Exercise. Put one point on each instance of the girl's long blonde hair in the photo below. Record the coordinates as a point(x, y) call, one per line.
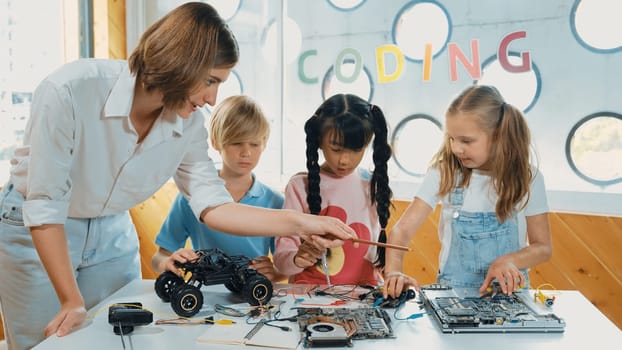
point(509, 154)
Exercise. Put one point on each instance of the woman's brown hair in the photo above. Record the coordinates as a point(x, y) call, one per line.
point(175, 54)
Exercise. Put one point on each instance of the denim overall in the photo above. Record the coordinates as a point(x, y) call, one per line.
point(477, 239)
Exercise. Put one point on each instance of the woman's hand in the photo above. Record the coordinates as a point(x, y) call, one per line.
point(395, 282)
point(51, 244)
point(66, 320)
point(325, 231)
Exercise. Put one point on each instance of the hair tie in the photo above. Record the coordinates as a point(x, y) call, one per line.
point(501, 112)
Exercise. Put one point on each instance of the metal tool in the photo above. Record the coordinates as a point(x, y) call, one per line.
point(255, 329)
point(325, 267)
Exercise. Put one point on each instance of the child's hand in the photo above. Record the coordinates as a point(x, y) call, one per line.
point(510, 278)
point(180, 255)
point(308, 254)
point(264, 266)
point(395, 282)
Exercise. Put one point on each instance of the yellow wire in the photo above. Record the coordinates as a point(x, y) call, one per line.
point(539, 295)
point(545, 285)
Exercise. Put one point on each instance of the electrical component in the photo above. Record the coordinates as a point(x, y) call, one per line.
point(544, 299)
point(337, 327)
point(547, 300)
point(124, 316)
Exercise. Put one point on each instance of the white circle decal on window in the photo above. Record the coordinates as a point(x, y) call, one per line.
point(292, 42)
point(597, 25)
point(415, 141)
point(346, 5)
point(226, 8)
point(357, 83)
point(419, 24)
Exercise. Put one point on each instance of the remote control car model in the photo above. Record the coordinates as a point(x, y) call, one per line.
point(212, 266)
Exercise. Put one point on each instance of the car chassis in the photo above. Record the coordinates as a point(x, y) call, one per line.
point(212, 266)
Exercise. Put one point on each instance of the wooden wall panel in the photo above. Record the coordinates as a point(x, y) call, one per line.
point(599, 234)
point(116, 29)
point(422, 261)
point(148, 217)
point(582, 265)
point(109, 30)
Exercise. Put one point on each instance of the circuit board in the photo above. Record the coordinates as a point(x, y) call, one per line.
point(463, 311)
point(337, 327)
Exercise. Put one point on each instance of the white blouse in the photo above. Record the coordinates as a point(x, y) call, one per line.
point(81, 158)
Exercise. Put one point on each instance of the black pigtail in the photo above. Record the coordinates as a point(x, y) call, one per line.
point(381, 192)
point(314, 199)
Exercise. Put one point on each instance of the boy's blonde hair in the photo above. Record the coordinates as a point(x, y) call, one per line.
point(238, 119)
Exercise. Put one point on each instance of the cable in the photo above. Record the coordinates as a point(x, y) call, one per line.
point(283, 328)
point(547, 300)
point(189, 321)
point(121, 334)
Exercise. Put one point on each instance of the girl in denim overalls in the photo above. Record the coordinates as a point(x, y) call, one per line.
point(493, 224)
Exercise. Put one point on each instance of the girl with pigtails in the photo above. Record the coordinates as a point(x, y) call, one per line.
point(342, 128)
point(493, 224)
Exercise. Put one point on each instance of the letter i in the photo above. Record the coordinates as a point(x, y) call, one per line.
point(427, 62)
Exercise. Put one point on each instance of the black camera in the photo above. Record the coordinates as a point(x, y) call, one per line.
point(124, 316)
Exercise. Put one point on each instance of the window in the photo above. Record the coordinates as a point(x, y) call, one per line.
point(594, 148)
point(27, 57)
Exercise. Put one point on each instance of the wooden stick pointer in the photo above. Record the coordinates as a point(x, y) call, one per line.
point(386, 245)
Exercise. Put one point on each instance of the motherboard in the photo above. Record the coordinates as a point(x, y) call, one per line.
point(462, 311)
point(337, 327)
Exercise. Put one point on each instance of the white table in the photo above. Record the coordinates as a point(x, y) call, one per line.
point(586, 327)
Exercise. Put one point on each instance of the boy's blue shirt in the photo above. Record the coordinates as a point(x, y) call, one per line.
point(181, 224)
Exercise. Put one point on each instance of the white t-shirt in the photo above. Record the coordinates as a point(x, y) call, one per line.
point(479, 196)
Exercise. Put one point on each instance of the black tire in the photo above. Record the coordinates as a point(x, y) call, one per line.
point(187, 300)
point(234, 285)
point(258, 290)
point(165, 284)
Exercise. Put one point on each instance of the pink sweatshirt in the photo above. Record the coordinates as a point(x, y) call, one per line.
point(346, 198)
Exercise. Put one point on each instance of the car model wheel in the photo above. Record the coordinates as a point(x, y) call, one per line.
point(187, 300)
point(234, 285)
point(165, 284)
point(258, 290)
